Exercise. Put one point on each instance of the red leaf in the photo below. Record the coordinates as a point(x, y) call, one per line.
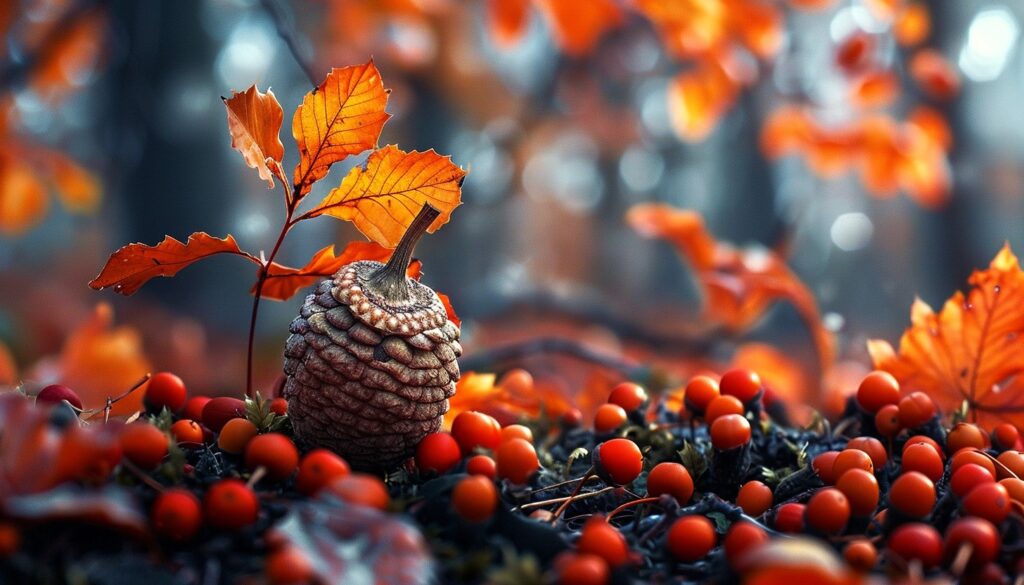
point(284, 281)
point(135, 264)
point(448, 309)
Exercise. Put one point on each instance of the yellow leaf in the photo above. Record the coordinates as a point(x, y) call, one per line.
point(254, 122)
point(384, 197)
point(343, 116)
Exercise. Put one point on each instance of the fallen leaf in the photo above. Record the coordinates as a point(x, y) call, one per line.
point(508, 20)
point(135, 264)
point(343, 116)
point(284, 281)
point(383, 197)
point(688, 28)
point(254, 122)
point(739, 285)
point(68, 61)
point(968, 351)
point(78, 189)
point(698, 98)
point(99, 361)
point(23, 200)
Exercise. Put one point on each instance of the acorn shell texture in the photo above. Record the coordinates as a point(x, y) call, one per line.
point(369, 376)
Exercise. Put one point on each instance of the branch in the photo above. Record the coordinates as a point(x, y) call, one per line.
point(286, 32)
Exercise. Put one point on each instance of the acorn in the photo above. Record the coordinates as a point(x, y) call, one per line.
point(371, 360)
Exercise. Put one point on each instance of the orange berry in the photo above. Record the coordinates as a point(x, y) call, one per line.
point(789, 518)
point(628, 395)
point(609, 417)
point(288, 566)
point(742, 384)
point(517, 432)
point(742, 538)
point(517, 382)
point(187, 433)
point(916, 409)
point(828, 511)
point(582, 569)
point(916, 542)
point(230, 505)
point(475, 498)
point(730, 431)
point(861, 489)
point(1014, 487)
point(887, 420)
point(861, 555)
point(722, 406)
point(235, 435)
point(921, 457)
point(873, 447)
point(165, 390)
point(965, 435)
point(517, 460)
point(318, 469)
point(177, 515)
point(618, 461)
point(274, 452)
point(670, 478)
point(482, 465)
point(598, 537)
point(1013, 461)
point(848, 459)
point(691, 538)
point(876, 390)
point(822, 465)
point(699, 393)
point(918, 439)
point(912, 494)
point(361, 489)
point(968, 477)
point(755, 498)
point(979, 533)
point(473, 429)
point(144, 445)
point(990, 501)
point(438, 453)
point(971, 455)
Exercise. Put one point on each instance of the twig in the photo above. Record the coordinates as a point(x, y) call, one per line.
point(574, 498)
point(287, 35)
point(486, 358)
point(111, 401)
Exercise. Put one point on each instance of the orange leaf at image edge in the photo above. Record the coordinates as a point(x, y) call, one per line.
point(970, 350)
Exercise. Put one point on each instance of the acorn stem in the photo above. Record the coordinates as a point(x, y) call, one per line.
point(390, 280)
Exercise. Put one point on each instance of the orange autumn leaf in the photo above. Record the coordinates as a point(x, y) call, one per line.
point(787, 130)
point(284, 281)
point(508, 20)
point(447, 302)
point(811, 4)
point(969, 350)
point(64, 64)
point(343, 116)
point(384, 196)
point(875, 89)
point(100, 361)
point(578, 26)
point(135, 264)
point(254, 122)
point(934, 74)
point(913, 25)
point(77, 189)
point(8, 369)
point(933, 124)
point(23, 200)
point(739, 286)
point(698, 99)
point(688, 27)
point(760, 27)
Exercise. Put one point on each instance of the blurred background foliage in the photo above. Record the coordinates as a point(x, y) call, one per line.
point(815, 129)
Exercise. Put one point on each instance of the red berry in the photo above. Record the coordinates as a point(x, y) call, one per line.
point(572, 418)
point(582, 569)
point(144, 445)
point(482, 465)
point(437, 453)
point(230, 505)
point(628, 395)
point(873, 447)
point(822, 465)
point(912, 494)
point(887, 420)
point(218, 411)
point(971, 455)
point(318, 469)
point(790, 518)
point(922, 458)
point(517, 432)
point(861, 555)
point(618, 461)
point(361, 489)
point(968, 477)
point(609, 417)
point(754, 498)
point(730, 431)
point(1013, 461)
point(691, 538)
point(848, 459)
point(916, 409)
point(57, 393)
point(475, 498)
point(979, 533)
point(916, 541)
point(165, 390)
point(10, 539)
point(517, 460)
point(722, 406)
point(876, 390)
point(473, 429)
point(176, 515)
point(990, 501)
point(193, 409)
point(699, 393)
point(861, 489)
point(600, 538)
point(828, 511)
point(1005, 436)
point(741, 383)
point(235, 435)
point(672, 479)
point(187, 433)
point(279, 406)
point(288, 566)
point(1014, 487)
point(274, 452)
point(742, 538)
point(919, 439)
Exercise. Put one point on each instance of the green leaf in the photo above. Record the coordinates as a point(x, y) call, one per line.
point(693, 460)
